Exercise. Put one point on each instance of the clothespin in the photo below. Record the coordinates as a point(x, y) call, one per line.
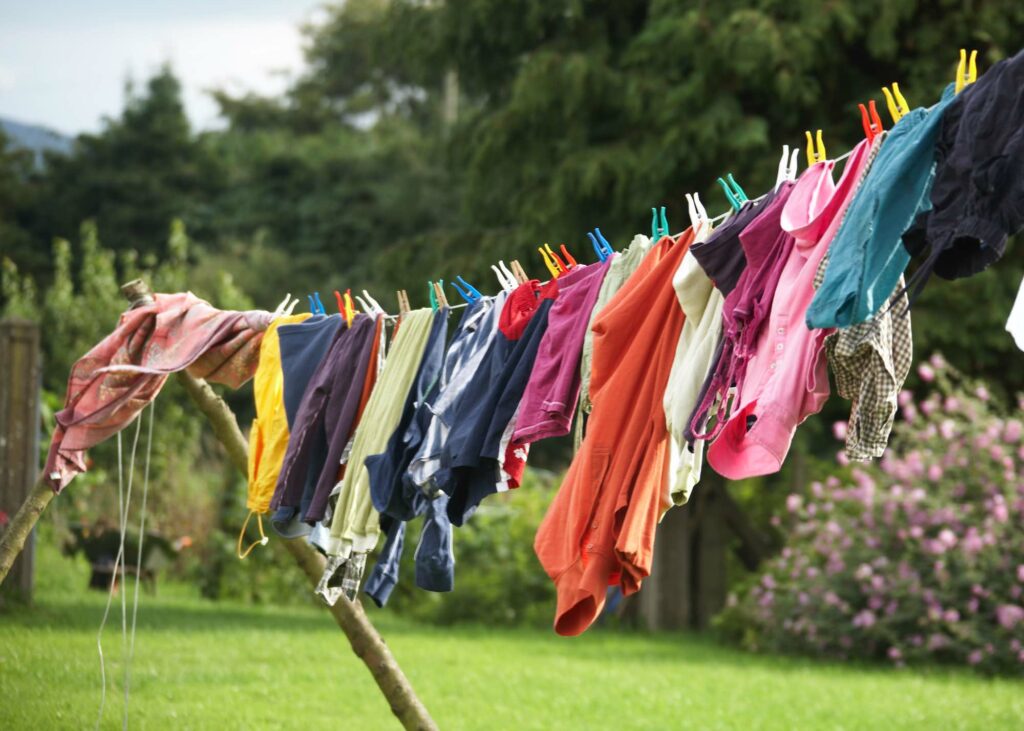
point(570, 261)
point(729, 195)
point(870, 121)
point(691, 209)
point(469, 293)
point(659, 228)
point(439, 294)
point(894, 100)
point(282, 305)
point(403, 302)
point(601, 246)
point(520, 273)
point(562, 266)
point(787, 166)
point(340, 301)
point(319, 304)
point(966, 73)
point(552, 267)
point(815, 155)
point(350, 307)
point(374, 305)
point(433, 295)
point(312, 304)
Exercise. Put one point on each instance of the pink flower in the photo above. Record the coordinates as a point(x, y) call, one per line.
point(1013, 431)
point(841, 459)
point(935, 473)
point(951, 616)
point(952, 403)
point(947, 537)
point(793, 502)
point(864, 618)
point(1020, 573)
point(937, 361)
point(1000, 512)
point(926, 372)
point(972, 542)
point(982, 393)
point(947, 429)
point(907, 397)
point(972, 605)
point(863, 572)
point(839, 430)
point(894, 654)
point(1008, 615)
point(974, 657)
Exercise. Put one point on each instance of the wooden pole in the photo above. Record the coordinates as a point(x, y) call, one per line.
point(19, 455)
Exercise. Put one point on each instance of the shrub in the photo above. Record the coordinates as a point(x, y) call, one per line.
point(917, 558)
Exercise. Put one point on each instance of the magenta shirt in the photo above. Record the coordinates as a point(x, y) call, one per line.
point(787, 379)
point(549, 400)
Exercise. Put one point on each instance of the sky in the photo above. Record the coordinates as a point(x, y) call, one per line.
point(64, 63)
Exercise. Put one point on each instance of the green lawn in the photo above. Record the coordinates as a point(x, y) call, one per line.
point(229, 666)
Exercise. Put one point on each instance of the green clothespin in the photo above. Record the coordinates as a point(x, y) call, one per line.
point(433, 297)
point(659, 229)
point(740, 194)
point(729, 195)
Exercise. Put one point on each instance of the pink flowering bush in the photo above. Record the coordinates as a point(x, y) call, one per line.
point(919, 557)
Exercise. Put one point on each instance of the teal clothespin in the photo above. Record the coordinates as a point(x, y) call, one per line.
point(659, 228)
point(740, 194)
point(730, 196)
point(433, 297)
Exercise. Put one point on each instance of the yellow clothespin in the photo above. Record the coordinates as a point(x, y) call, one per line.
point(966, 73)
point(894, 100)
point(813, 155)
point(552, 267)
point(350, 307)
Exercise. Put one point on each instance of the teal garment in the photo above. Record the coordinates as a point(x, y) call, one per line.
point(867, 256)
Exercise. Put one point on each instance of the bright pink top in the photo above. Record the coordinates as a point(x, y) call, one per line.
point(786, 379)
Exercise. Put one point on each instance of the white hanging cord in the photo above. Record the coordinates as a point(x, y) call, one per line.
point(124, 498)
point(138, 565)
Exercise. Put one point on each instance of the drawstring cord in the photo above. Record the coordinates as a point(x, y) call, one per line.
point(241, 535)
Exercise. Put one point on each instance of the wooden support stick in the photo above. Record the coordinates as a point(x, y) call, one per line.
point(17, 532)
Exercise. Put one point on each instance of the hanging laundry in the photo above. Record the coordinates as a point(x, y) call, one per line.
point(478, 455)
point(599, 529)
point(355, 526)
point(1015, 322)
point(702, 305)
point(303, 348)
point(868, 257)
point(766, 249)
point(871, 361)
point(978, 189)
point(786, 379)
point(325, 421)
point(551, 394)
point(113, 382)
point(268, 436)
point(398, 500)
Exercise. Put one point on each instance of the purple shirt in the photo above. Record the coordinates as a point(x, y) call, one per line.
point(549, 400)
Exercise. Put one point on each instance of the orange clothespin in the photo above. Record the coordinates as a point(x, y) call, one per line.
point(815, 155)
point(966, 72)
point(870, 121)
point(340, 301)
point(518, 271)
point(569, 260)
point(895, 102)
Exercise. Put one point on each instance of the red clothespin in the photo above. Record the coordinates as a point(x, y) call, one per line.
point(871, 122)
point(341, 304)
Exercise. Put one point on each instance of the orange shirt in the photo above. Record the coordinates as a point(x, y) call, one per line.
point(599, 530)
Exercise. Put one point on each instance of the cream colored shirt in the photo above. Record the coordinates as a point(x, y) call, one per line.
point(702, 304)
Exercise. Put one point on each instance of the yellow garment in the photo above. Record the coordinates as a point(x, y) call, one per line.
point(268, 438)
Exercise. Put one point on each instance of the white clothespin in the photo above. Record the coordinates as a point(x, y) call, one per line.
point(701, 212)
point(280, 309)
point(691, 208)
point(793, 162)
point(505, 276)
point(783, 174)
point(291, 308)
point(374, 304)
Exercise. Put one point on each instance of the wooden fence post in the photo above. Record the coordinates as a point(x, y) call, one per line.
point(19, 446)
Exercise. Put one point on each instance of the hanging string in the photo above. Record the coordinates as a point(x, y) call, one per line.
point(124, 497)
point(138, 565)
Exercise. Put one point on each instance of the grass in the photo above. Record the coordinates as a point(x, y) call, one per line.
point(203, 665)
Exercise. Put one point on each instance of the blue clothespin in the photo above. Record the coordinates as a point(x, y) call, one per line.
point(471, 293)
point(601, 246)
point(320, 305)
point(312, 304)
point(730, 196)
point(598, 249)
